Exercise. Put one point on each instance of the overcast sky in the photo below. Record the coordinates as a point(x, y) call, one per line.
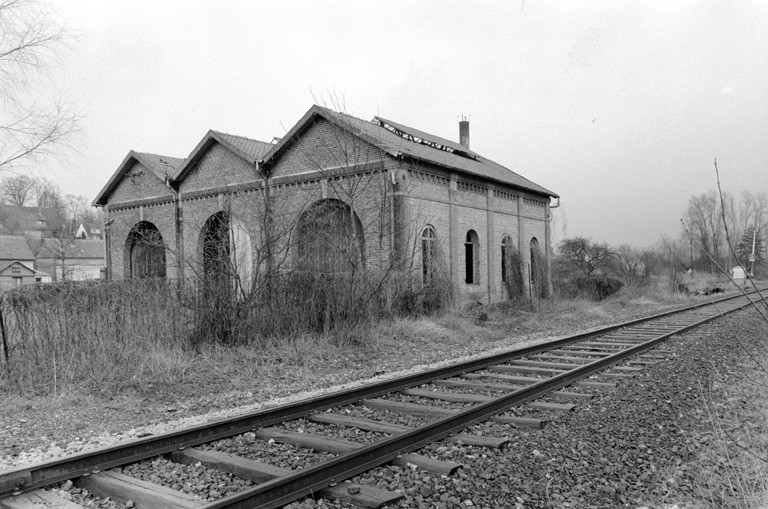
point(619, 107)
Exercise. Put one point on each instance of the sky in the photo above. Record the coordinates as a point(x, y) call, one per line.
point(618, 107)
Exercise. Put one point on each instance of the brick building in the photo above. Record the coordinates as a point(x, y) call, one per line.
point(335, 193)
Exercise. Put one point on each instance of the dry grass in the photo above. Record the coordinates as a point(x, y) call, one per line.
point(66, 353)
point(732, 467)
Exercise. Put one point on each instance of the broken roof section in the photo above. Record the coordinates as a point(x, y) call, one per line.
point(401, 141)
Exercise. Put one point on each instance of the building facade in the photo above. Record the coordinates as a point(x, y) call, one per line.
point(335, 193)
point(17, 264)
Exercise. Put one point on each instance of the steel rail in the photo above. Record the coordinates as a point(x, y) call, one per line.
point(38, 475)
point(284, 490)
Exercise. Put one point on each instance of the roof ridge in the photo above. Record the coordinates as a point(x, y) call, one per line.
point(241, 137)
point(157, 155)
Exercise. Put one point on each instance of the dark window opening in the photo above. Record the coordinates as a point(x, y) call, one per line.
point(471, 259)
point(216, 250)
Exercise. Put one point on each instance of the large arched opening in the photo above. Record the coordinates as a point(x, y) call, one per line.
point(329, 238)
point(144, 252)
point(226, 254)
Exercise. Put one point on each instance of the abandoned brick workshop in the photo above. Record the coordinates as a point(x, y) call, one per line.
point(335, 194)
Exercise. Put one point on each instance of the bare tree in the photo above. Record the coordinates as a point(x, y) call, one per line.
point(705, 226)
point(16, 190)
point(582, 255)
point(31, 40)
point(671, 254)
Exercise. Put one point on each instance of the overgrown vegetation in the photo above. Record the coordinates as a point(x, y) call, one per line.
point(135, 338)
point(68, 335)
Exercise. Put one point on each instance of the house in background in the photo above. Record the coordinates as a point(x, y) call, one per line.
point(71, 259)
point(32, 222)
point(17, 264)
point(89, 231)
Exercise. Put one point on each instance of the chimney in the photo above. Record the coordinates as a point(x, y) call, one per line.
point(464, 132)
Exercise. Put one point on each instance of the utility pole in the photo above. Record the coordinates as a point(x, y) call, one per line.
point(752, 255)
point(690, 266)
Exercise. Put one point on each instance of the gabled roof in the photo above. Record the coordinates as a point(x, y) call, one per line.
point(162, 167)
point(246, 148)
point(400, 141)
point(4, 264)
point(26, 218)
point(14, 247)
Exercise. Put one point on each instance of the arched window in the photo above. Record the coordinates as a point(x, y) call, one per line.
point(227, 253)
point(506, 254)
point(472, 258)
point(145, 251)
point(428, 254)
point(330, 238)
point(534, 259)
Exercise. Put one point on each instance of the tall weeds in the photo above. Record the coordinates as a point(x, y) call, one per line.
point(96, 335)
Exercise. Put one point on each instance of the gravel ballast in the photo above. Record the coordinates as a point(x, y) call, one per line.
point(633, 446)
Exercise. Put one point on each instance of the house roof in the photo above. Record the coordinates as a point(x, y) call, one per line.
point(75, 248)
point(25, 218)
point(248, 149)
point(14, 247)
point(401, 141)
point(90, 227)
point(4, 264)
point(161, 167)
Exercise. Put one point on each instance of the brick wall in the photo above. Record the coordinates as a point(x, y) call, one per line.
point(218, 167)
point(453, 206)
point(391, 198)
point(324, 146)
point(139, 183)
point(123, 219)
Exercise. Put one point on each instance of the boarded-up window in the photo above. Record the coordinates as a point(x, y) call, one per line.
point(506, 252)
point(535, 255)
point(145, 251)
point(329, 238)
point(428, 254)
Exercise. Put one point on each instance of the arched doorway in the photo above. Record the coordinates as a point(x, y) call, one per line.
point(144, 252)
point(226, 254)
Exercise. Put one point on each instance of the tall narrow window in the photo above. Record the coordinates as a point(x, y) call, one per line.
point(428, 254)
point(506, 252)
point(534, 259)
point(471, 258)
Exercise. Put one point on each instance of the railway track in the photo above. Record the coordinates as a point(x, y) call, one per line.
point(426, 407)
